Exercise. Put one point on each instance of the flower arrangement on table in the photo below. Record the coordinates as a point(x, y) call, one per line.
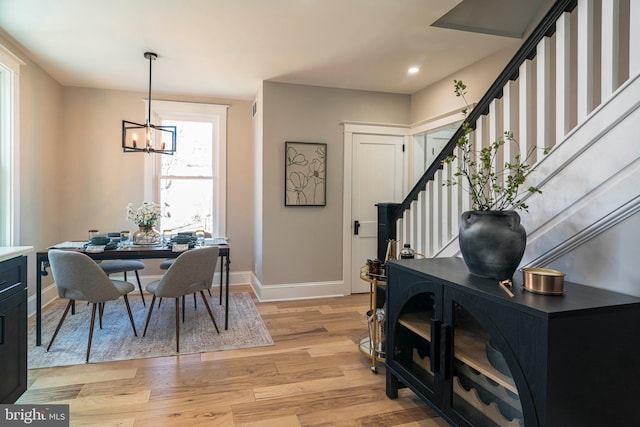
point(145, 217)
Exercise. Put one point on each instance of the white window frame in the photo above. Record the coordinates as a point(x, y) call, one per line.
point(214, 113)
point(9, 147)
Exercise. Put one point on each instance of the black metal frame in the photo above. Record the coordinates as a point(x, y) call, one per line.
point(131, 126)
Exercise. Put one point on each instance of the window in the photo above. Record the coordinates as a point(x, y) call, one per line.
point(9, 153)
point(191, 184)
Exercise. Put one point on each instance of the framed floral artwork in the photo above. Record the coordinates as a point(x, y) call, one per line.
point(305, 174)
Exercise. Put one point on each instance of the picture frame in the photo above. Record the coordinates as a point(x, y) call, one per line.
point(305, 174)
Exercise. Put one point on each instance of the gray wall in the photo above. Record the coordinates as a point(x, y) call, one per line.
point(439, 98)
point(74, 175)
point(40, 157)
point(100, 180)
point(304, 244)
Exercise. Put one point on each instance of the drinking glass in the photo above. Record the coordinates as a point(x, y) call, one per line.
point(166, 236)
point(92, 233)
point(200, 237)
point(124, 239)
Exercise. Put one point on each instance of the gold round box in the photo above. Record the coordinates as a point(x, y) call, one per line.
point(543, 281)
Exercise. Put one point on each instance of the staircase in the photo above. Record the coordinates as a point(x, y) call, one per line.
point(574, 86)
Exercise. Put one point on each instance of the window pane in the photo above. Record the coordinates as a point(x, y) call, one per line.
point(188, 202)
point(193, 156)
point(192, 181)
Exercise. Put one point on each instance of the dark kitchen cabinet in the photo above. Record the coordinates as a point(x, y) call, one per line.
point(13, 328)
point(481, 358)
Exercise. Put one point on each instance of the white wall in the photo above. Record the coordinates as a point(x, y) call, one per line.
point(585, 221)
point(608, 261)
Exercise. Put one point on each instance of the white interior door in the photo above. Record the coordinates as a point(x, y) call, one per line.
point(377, 171)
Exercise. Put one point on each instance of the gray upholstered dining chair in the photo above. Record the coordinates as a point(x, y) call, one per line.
point(79, 278)
point(191, 272)
point(164, 265)
point(123, 266)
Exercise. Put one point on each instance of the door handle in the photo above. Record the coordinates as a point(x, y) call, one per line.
point(356, 227)
point(445, 350)
point(434, 349)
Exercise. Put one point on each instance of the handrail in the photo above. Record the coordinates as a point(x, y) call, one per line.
point(545, 28)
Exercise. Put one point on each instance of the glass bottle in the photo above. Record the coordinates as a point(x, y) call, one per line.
point(406, 252)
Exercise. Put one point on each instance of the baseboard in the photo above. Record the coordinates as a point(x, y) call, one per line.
point(50, 293)
point(296, 291)
point(284, 292)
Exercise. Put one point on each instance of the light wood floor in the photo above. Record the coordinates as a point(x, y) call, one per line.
point(314, 375)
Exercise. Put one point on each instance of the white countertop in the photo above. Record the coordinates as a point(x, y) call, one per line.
point(8, 252)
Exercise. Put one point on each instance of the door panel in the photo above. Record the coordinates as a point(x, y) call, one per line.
point(377, 177)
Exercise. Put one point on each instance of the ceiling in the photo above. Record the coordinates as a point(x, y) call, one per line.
point(226, 48)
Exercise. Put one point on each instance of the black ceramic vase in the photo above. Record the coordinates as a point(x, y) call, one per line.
point(492, 243)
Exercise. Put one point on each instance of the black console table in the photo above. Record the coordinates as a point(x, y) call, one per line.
point(482, 358)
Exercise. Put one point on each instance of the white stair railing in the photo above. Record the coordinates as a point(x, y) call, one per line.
point(552, 90)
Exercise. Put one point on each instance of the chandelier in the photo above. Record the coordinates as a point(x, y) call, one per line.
point(148, 138)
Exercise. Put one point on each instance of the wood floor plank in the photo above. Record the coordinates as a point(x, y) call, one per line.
point(82, 378)
point(180, 410)
point(326, 362)
point(91, 422)
point(52, 394)
point(430, 422)
point(241, 383)
point(184, 378)
point(350, 379)
point(100, 402)
point(313, 375)
point(394, 418)
point(345, 345)
point(288, 421)
point(217, 416)
point(354, 413)
point(337, 398)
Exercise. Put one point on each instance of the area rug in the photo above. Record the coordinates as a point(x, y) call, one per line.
point(115, 341)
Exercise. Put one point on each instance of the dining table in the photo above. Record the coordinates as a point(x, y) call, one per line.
point(129, 252)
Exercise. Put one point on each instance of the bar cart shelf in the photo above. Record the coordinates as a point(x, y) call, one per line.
point(372, 344)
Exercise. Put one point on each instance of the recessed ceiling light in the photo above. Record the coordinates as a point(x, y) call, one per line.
point(414, 70)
